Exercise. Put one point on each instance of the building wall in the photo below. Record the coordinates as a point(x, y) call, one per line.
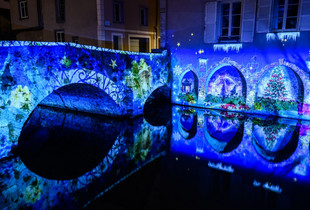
point(90, 21)
point(4, 4)
point(75, 24)
point(80, 20)
point(31, 22)
point(131, 26)
point(5, 20)
point(198, 56)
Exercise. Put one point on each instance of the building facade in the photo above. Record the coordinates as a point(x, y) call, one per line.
point(241, 55)
point(122, 25)
point(5, 20)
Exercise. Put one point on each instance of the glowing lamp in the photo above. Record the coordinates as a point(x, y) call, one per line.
point(186, 86)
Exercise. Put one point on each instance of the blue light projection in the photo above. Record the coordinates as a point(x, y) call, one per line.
point(66, 159)
point(30, 71)
point(268, 76)
point(232, 141)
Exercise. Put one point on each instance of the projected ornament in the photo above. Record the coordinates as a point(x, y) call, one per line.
point(186, 86)
point(275, 87)
point(113, 63)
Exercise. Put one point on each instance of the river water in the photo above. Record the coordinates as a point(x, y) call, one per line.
point(171, 158)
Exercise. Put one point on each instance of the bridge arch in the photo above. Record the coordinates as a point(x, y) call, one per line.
point(226, 80)
point(31, 71)
point(282, 83)
point(82, 97)
point(188, 87)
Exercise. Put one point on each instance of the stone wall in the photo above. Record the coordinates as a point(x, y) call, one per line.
point(78, 77)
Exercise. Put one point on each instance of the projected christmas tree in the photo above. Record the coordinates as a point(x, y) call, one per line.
point(275, 87)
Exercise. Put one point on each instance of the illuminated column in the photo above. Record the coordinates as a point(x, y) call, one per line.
point(163, 23)
point(100, 23)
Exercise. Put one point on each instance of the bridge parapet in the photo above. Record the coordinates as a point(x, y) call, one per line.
point(30, 71)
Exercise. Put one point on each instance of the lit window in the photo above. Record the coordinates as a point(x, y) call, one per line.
point(118, 12)
point(285, 15)
point(60, 36)
point(230, 21)
point(139, 44)
point(23, 9)
point(60, 11)
point(143, 16)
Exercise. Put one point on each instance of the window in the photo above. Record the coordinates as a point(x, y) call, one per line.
point(230, 21)
point(60, 11)
point(143, 16)
point(139, 44)
point(23, 9)
point(285, 15)
point(75, 39)
point(118, 12)
point(60, 36)
point(117, 42)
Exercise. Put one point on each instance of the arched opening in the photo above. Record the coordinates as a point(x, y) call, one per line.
point(82, 97)
point(226, 85)
point(188, 92)
point(279, 89)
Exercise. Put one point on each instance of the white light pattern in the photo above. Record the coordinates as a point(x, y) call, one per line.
point(282, 36)
point(227, 47)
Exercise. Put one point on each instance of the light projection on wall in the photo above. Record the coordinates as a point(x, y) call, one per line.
point(279, 89)
point(140, 79)
point(31, 71)
point(227, 86)
point(250, 85)
point(189, 88)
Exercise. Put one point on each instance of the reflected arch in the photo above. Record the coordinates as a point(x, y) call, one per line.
point(224, 135)
point(64, 145)
point(273, 141)
point(187, 124)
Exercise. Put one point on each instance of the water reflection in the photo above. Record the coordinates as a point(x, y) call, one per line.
point(66, 159)
point(224, 130)
point(187, 123)
point(275, 141)
point(63, 145)
point(230, 140)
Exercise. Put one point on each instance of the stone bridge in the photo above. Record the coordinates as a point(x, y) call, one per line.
point(73, 76)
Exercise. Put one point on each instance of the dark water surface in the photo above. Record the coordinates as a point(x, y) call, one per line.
point(172, 158)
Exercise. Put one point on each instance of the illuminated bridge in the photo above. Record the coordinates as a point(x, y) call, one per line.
point(75, 77)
